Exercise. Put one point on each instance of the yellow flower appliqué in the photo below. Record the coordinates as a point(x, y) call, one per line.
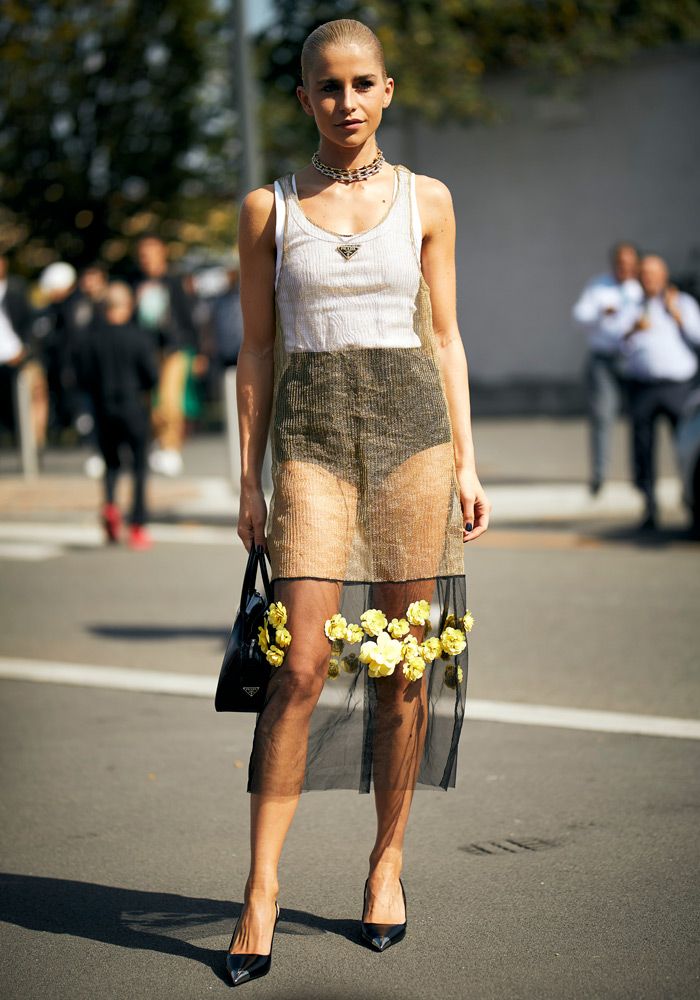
point(381, 656)
point(453, 641)
point(397, 627)
point(409, 647)
point(351, 663)
point(373, 621)
point(335, 627)
point(468, 621)
point(274, 656)
point(452, 679)
point(277, 614)
point(263, 638)
point(413, 668)
point(430, 649)
point(282, 638)
point(354, 633)
point(417, 612)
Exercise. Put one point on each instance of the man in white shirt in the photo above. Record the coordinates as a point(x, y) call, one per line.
point(660, 338)
point(596, 311)
point(15, 353)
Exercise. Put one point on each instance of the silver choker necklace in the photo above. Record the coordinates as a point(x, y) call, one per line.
point(349, 174)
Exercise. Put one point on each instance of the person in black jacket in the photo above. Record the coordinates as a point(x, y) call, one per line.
point(118, 370)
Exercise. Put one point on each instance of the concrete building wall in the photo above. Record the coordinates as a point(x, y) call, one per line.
point(540, 197)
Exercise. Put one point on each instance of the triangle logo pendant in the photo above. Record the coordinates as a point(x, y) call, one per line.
point(347, 250)
point(251, 691)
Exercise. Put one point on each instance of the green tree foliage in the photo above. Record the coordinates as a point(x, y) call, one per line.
point(102, 123)
point(440, 51)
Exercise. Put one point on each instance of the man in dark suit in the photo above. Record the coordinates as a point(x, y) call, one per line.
point(118, 370)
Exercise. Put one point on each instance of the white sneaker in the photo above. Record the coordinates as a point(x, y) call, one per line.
point(166, 461)
point(94, 467)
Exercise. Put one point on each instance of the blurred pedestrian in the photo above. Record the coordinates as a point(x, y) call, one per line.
point(163, 308)
point(221, 287)
point(661, 337)
point(596, 310)
point(57, 332)
point(93, 284)
point(119, 370)
point(17, 354)
point(72, 303)
point(89, 298)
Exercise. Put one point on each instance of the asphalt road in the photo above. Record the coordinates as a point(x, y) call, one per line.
point(564, 864)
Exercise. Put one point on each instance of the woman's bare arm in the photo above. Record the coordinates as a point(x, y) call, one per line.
point(254, 374)
point(438, 264)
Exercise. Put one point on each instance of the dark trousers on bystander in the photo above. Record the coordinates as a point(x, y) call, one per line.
point(128, 430)
point(648, 401)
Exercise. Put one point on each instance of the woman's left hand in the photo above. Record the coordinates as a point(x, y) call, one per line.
point(475, 505)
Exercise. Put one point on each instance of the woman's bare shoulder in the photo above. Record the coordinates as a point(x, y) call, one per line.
point(433, 192)
point(257, 213)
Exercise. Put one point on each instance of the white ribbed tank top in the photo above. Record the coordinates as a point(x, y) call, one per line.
point(326, 302)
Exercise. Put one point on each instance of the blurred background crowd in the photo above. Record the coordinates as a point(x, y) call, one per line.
point(130, 132)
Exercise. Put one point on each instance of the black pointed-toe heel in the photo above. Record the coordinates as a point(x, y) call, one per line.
point(381, 936)
point(244, 968)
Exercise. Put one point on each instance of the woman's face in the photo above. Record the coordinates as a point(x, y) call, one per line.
point(346, 94)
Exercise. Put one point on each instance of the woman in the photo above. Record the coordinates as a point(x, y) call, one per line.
point(352, 352)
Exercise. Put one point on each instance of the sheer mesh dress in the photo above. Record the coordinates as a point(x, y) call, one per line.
point(364, 516)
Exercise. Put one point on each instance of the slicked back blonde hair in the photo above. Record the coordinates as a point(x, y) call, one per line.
point(344, 31)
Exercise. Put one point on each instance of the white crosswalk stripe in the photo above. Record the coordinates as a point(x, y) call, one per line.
point(195, 686)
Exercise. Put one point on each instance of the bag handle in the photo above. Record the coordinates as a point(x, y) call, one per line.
point(262, 560)
point(256, 557)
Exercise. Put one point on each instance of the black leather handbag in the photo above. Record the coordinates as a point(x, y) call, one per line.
point(245, 670)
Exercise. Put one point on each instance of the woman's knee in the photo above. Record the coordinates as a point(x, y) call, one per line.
point(302, 681)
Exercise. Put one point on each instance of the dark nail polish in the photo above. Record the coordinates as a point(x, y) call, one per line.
point(469, 526)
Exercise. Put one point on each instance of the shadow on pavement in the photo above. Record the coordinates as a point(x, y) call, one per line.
point(159, 632)
point(141, 919)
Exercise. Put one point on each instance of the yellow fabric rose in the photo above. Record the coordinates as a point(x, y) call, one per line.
point(277, 614)
point(333, 667)
point(282, 638)
point(413, 668)
point(430, 648)
point(335, 627)
point(397, 627)
point(351, 663)
point(468, 621)
point(354, 633)
point(417, 612)
point(453, 641)
point(274, 656)
point(409, 647)
point(450, 681)
point(373, 621)
point(381, 656)
point(263, 638)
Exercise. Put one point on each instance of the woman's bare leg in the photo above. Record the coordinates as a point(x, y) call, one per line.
point(397, 753)
point(413, 550)
point(280, 744)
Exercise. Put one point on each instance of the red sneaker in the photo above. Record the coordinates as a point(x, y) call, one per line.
point(139, 539)
point(112, 522)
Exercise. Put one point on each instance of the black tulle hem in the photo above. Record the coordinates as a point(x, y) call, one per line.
point(385, 732)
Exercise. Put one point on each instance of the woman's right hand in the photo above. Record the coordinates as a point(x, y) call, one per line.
point(252, 517)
